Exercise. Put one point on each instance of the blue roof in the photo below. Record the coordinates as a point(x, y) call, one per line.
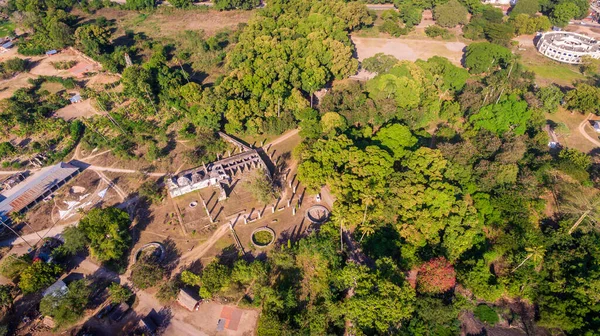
point(51, 52)
point(38, 184)
point(7, 45)
point(75, 98)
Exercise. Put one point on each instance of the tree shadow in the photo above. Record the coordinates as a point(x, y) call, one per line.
point(228, 255)
point(171, 256)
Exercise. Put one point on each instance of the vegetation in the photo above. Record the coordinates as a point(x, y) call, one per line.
point(13, 266)
point(68, 307)
point(261, 186)
point(38, 276)
point(486, 314)
point(262, 238)
point(119, 294)
point(146, 273)
point(108, 233)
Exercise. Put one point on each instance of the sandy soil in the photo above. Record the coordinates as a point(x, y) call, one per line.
point(9, 86)
point(411, 50)
point(83, 109)
point(168, 21)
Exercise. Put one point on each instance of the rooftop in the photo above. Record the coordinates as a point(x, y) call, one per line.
point(32, 188)
point(571, 41)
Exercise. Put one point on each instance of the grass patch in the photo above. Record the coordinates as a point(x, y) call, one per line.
point(262, 238)
point(486, 314)
point(556, 72)
point(6, 28)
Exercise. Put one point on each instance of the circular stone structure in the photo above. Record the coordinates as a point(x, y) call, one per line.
point(159, 251)
point(264, 230)
point(193, 204)
point(567, 47)
point(317, 214)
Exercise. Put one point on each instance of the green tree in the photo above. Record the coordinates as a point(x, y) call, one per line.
point(146, 273)
point(108, 233)
point(13, 266)
point(527, 7)
point(75, 240)
point(550, 96)
point(484, 56)
point(261, 186)
point(152, 191)
point(380, 63)
point(584, 98)
point(486, 314)
point(190, 278)
point(450, 14)
point(215, 277)
point(332, 121)
point(563, 13)
point(510, 114)
point(6, 297)
point(37, 276)
point(92, 39)
point(181, 3)
point(118, 294)
point(6, 149)
point(67, 308)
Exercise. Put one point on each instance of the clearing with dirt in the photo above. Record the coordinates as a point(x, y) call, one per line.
point(409, 50)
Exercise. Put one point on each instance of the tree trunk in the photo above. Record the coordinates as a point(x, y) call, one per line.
point(522, 262)
point(583, 216)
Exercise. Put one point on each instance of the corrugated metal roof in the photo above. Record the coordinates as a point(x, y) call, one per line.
point(35, 186)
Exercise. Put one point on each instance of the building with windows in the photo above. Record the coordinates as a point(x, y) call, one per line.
point(567, 47)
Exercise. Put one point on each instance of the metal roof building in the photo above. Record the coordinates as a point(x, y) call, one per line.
point(35, 188)
point(186, 300)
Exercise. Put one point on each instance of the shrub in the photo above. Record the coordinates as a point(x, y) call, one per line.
point(146, 273)
point(119, 294)
point(435, 31)
point(486, 314)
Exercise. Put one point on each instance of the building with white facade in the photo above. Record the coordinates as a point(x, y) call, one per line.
point(214, 173)
point(567, 47)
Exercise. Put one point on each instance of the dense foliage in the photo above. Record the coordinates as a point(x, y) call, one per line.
point(108, 233)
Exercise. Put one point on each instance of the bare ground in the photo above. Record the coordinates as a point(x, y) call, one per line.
point(410, 50)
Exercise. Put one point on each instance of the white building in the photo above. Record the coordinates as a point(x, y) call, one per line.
point(567, 47)
point(214, 173)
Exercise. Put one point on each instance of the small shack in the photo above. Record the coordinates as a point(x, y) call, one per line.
point(51, 52)
point(187, 301)
point(5, 46)
point(56, 289)
point(75, 99)
point(597, 126)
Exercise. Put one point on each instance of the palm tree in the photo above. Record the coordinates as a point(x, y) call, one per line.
point(389, 85)
point(19, 218)
point(536, 254)
point(580, 202)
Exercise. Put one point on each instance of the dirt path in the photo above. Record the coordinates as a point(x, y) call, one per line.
point(282, 138)
point(34, 238)
point(584, 133)
point(200, 250)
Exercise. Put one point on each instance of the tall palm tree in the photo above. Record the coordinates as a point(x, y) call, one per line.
point(19, 218)
point(536, 254)
point(581, 202)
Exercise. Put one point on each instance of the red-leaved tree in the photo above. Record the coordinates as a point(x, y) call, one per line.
point(436, 276)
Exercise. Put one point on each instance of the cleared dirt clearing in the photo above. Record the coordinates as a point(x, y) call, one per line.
point(409, 50)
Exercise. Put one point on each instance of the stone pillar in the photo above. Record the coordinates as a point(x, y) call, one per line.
point(294, 189)
point(273, 209)
point(289, 202)
point(294, 211)
point(245, 219)
point(259, 214)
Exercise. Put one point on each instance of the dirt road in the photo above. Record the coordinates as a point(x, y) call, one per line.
point(282, 138)
point(585, 134)
point(199, 251)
